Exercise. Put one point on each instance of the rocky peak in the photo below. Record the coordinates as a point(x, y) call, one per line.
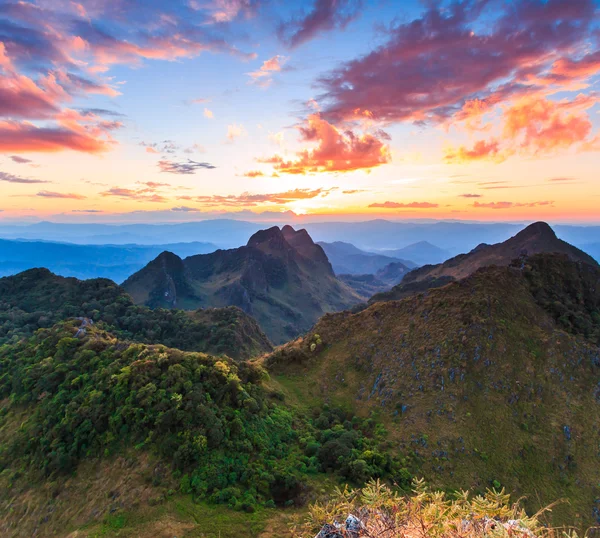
point(537, 230)
point(269, 239)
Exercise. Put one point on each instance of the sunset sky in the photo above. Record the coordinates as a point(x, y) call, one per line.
point(148, 110)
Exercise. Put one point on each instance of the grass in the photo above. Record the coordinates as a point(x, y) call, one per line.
point(180, 516)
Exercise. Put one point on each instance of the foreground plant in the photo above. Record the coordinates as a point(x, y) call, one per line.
point(379, 511)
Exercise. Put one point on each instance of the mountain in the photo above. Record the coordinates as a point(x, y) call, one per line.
point(281, 277)
point(346, 259)
point(593, 249)
point(536, 238)
point(87, 261)
point(489, 381)
point(374, 235)
point(38, 299)
point(385, 278)
point(421, 253)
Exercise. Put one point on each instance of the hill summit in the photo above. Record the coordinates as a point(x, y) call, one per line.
point(281, 277)
point(537, 238)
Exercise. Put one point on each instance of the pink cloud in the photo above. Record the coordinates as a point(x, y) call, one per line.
point(430, 67)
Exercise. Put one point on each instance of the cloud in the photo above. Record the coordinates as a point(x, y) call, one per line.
point(411, 205)
point(482, 150)
point(20, 160)
point(534, 126)
point(87, 211)
point(471, 195)
point(208, 114)
point(74, 131)
point(336, 150)
point(235, 131)
point(141, 195)
point(11, 178)
point(184, 168)
point(184, 209)
point(52, 53)
point(354, 191)
point(166, 147)
point(326, 15)
point(228, 10)
point(510, 205)
point(200, 100)
point(247, 199)
point(62, 195)
point(465, 51)
point(264, 75)
point(562, 179)
point(253, 173)
point(195, 148)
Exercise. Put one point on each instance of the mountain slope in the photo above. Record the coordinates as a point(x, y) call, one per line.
point(346, 259)
point(37, 299)
point(281, 278)
point(536, 238)
point(368, 285)
point(488, 380)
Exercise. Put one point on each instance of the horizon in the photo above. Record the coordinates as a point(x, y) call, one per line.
point(144, 112)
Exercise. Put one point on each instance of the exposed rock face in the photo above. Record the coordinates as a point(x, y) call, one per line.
point(281, 277)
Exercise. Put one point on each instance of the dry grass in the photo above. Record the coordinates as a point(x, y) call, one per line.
point(384, 513)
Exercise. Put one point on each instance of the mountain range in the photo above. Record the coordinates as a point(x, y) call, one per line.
point(536, 238)
point(421, 253)
point(281, 277)
point(346, 259)
point(373, 235)
point(128, 410)
point(87, 261)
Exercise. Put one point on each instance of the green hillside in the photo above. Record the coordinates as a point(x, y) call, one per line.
point(492, 380)
point(38, 299)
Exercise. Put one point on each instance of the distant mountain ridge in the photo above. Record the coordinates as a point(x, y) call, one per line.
point(346, 259)
point(535, 239)
point(116, 262)
point(421, 253)
point(281, 277)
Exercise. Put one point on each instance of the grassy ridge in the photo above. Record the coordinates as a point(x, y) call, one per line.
point(477, 381)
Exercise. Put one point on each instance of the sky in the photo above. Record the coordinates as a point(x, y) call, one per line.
point(154, 111)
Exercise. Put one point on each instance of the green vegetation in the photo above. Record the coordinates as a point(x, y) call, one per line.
point(38, 299)
point(226, 438)
point(569, 292)
point(475, 382)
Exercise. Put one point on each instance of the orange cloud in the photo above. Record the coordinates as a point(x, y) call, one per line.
point(336, 151)
point(482, 150)
point(253, 173)
point(542, 125)
point(263, 75)
point(410, 205)
point(26, 137)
